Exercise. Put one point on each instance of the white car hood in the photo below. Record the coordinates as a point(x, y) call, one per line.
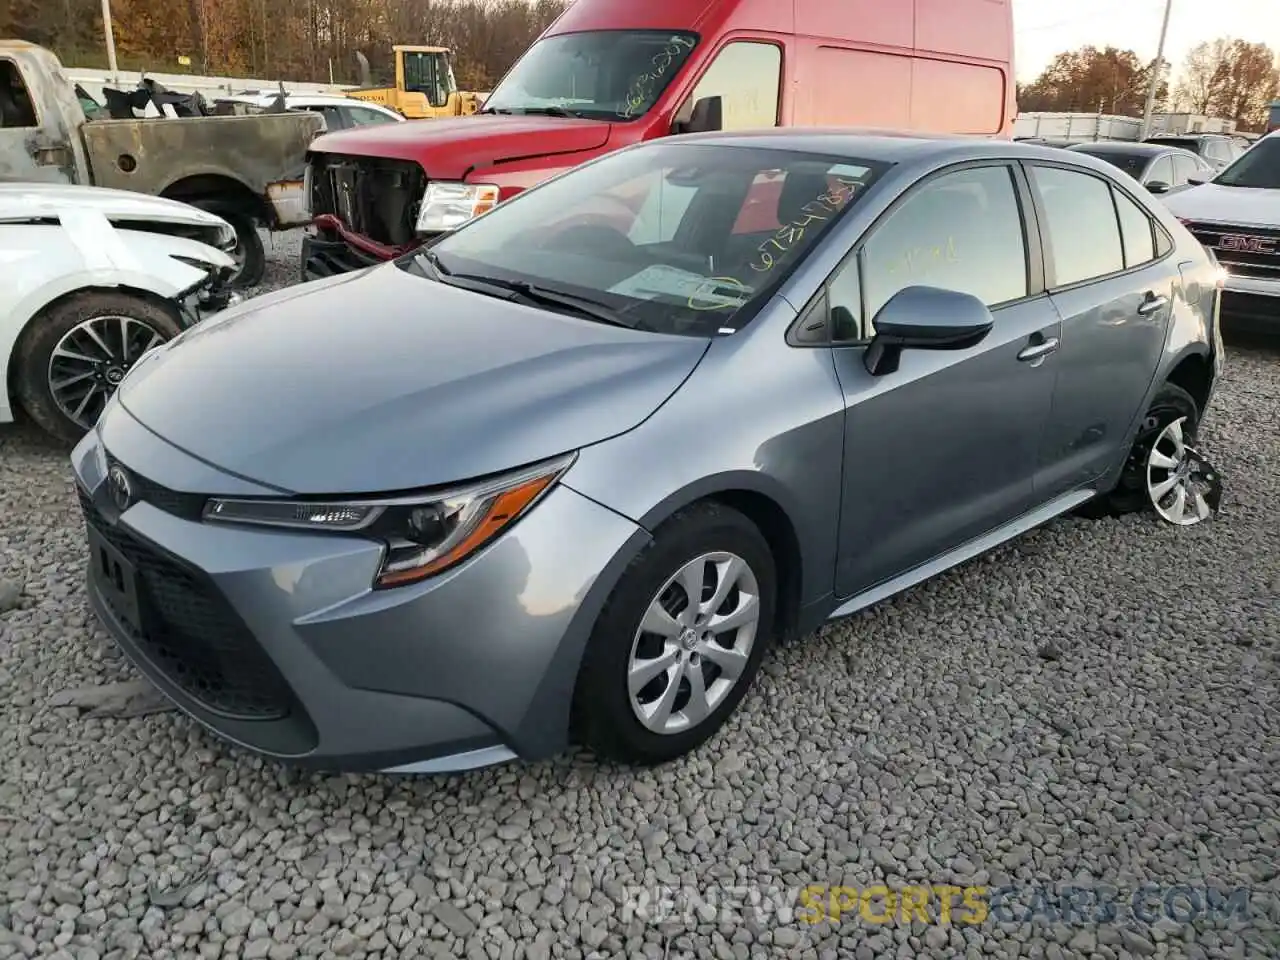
point(1236, 206)
point(21, 202)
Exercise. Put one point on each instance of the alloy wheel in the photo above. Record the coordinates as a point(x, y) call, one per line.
point(1183, 488)
point(693, 643)
point(90, 361)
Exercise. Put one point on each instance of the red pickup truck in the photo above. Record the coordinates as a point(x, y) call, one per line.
point(610, 73)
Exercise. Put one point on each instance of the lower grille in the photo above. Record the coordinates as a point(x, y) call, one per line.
point(191, 634)
point(375, 197)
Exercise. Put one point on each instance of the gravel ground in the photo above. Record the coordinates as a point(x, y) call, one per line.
point(1093, 703)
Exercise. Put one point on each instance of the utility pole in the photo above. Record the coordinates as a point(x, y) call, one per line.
point(111, 39)
point(1156, 72)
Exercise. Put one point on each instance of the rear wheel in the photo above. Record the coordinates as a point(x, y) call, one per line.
point(1160, 471)
point(249, 254)
point(70, 359)
point(680, 641)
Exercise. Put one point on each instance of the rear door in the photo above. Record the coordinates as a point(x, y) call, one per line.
point(1111, 274)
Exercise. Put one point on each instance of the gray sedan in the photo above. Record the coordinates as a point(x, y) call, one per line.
point(565, 475)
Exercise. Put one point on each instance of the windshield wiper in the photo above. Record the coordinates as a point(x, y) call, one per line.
point(583, 306)
point(551, 112)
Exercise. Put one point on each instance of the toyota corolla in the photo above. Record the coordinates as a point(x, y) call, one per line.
point(565, 475)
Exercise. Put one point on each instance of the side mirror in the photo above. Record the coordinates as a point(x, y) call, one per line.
point(1158, 186)
point(1197, 181)
point(925, 318)
point(707, 116)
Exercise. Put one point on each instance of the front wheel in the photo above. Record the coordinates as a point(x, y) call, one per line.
point(680, 641)
point(70, 359)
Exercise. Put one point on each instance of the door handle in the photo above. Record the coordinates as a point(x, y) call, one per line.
point(1038, 351)
point(1152, 304)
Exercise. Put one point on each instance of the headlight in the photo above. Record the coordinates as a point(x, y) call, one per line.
point(424, 535)
point(449, 205)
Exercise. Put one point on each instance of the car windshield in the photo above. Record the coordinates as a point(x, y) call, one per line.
point(1130, 163)
point(673, 238)
point(1259, 167)
point(602, 74)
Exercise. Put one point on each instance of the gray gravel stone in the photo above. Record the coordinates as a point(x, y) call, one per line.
point(924, 740)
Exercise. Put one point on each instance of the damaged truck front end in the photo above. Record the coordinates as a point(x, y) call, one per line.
point(365, 211)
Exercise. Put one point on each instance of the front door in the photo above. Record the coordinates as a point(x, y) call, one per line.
point(944, 449)
point(1112, 278)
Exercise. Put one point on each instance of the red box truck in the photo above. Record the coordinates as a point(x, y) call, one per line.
point(610, 73)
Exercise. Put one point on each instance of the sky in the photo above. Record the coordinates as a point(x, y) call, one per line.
point(1045, 28)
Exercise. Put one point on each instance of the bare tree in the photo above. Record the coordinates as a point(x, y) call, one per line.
point(1230, 78)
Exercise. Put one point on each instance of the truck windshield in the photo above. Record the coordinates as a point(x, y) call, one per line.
point(675, 238)
point(1258, 167)
point(601, 74)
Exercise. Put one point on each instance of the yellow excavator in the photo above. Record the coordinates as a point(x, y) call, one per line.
point(425, 86)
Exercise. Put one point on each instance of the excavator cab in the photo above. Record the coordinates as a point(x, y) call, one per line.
point(425, 85)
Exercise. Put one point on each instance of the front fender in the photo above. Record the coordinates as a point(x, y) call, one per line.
point(45, 262)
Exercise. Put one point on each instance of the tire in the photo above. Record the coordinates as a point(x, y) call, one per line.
point(250, 255)
point(148, 325)
point(604, 718)
point(1129, 495)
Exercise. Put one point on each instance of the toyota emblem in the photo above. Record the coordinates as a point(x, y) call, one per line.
point(120, 488)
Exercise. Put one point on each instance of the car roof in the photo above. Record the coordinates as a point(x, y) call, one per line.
point(1131, 148)
point(883, 146)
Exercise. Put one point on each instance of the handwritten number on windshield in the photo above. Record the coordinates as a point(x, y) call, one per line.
point(641, 89)
point(820, 209)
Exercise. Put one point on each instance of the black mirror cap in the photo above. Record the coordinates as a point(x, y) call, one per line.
point(707, 117)
point(1197, 181)
point(1158, 186)
point(926, 318)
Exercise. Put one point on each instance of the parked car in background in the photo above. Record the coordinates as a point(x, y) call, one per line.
point(608, 73)
point(1237, 216)
point(247, 170)
point(576, 468)
point(93, 278)
point(1158, 168)
point(339, 113)
point(1218, 150)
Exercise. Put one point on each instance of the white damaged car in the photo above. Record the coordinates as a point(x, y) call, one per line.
point(94, 278)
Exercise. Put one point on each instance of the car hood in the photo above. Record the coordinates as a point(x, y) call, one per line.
point(23, 202)
point(383, 381)
point(1237, 206)
point(451, 148)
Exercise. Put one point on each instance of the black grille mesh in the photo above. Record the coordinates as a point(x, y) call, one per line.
point(192, 635)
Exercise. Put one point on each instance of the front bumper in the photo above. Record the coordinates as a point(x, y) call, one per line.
point(1251, 304)
point(275, 641)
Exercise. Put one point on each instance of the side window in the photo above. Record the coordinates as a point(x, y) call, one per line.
point(333, 117)
point(16, 108)
point(1161, 171)
point(748, 77)
point(1183, 169)
point(844, 298)
point(1080, 219)
point(962, 231)
point(363, 116)
point(1136, 232)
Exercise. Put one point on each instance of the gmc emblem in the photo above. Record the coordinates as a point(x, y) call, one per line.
point(1244, 244)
